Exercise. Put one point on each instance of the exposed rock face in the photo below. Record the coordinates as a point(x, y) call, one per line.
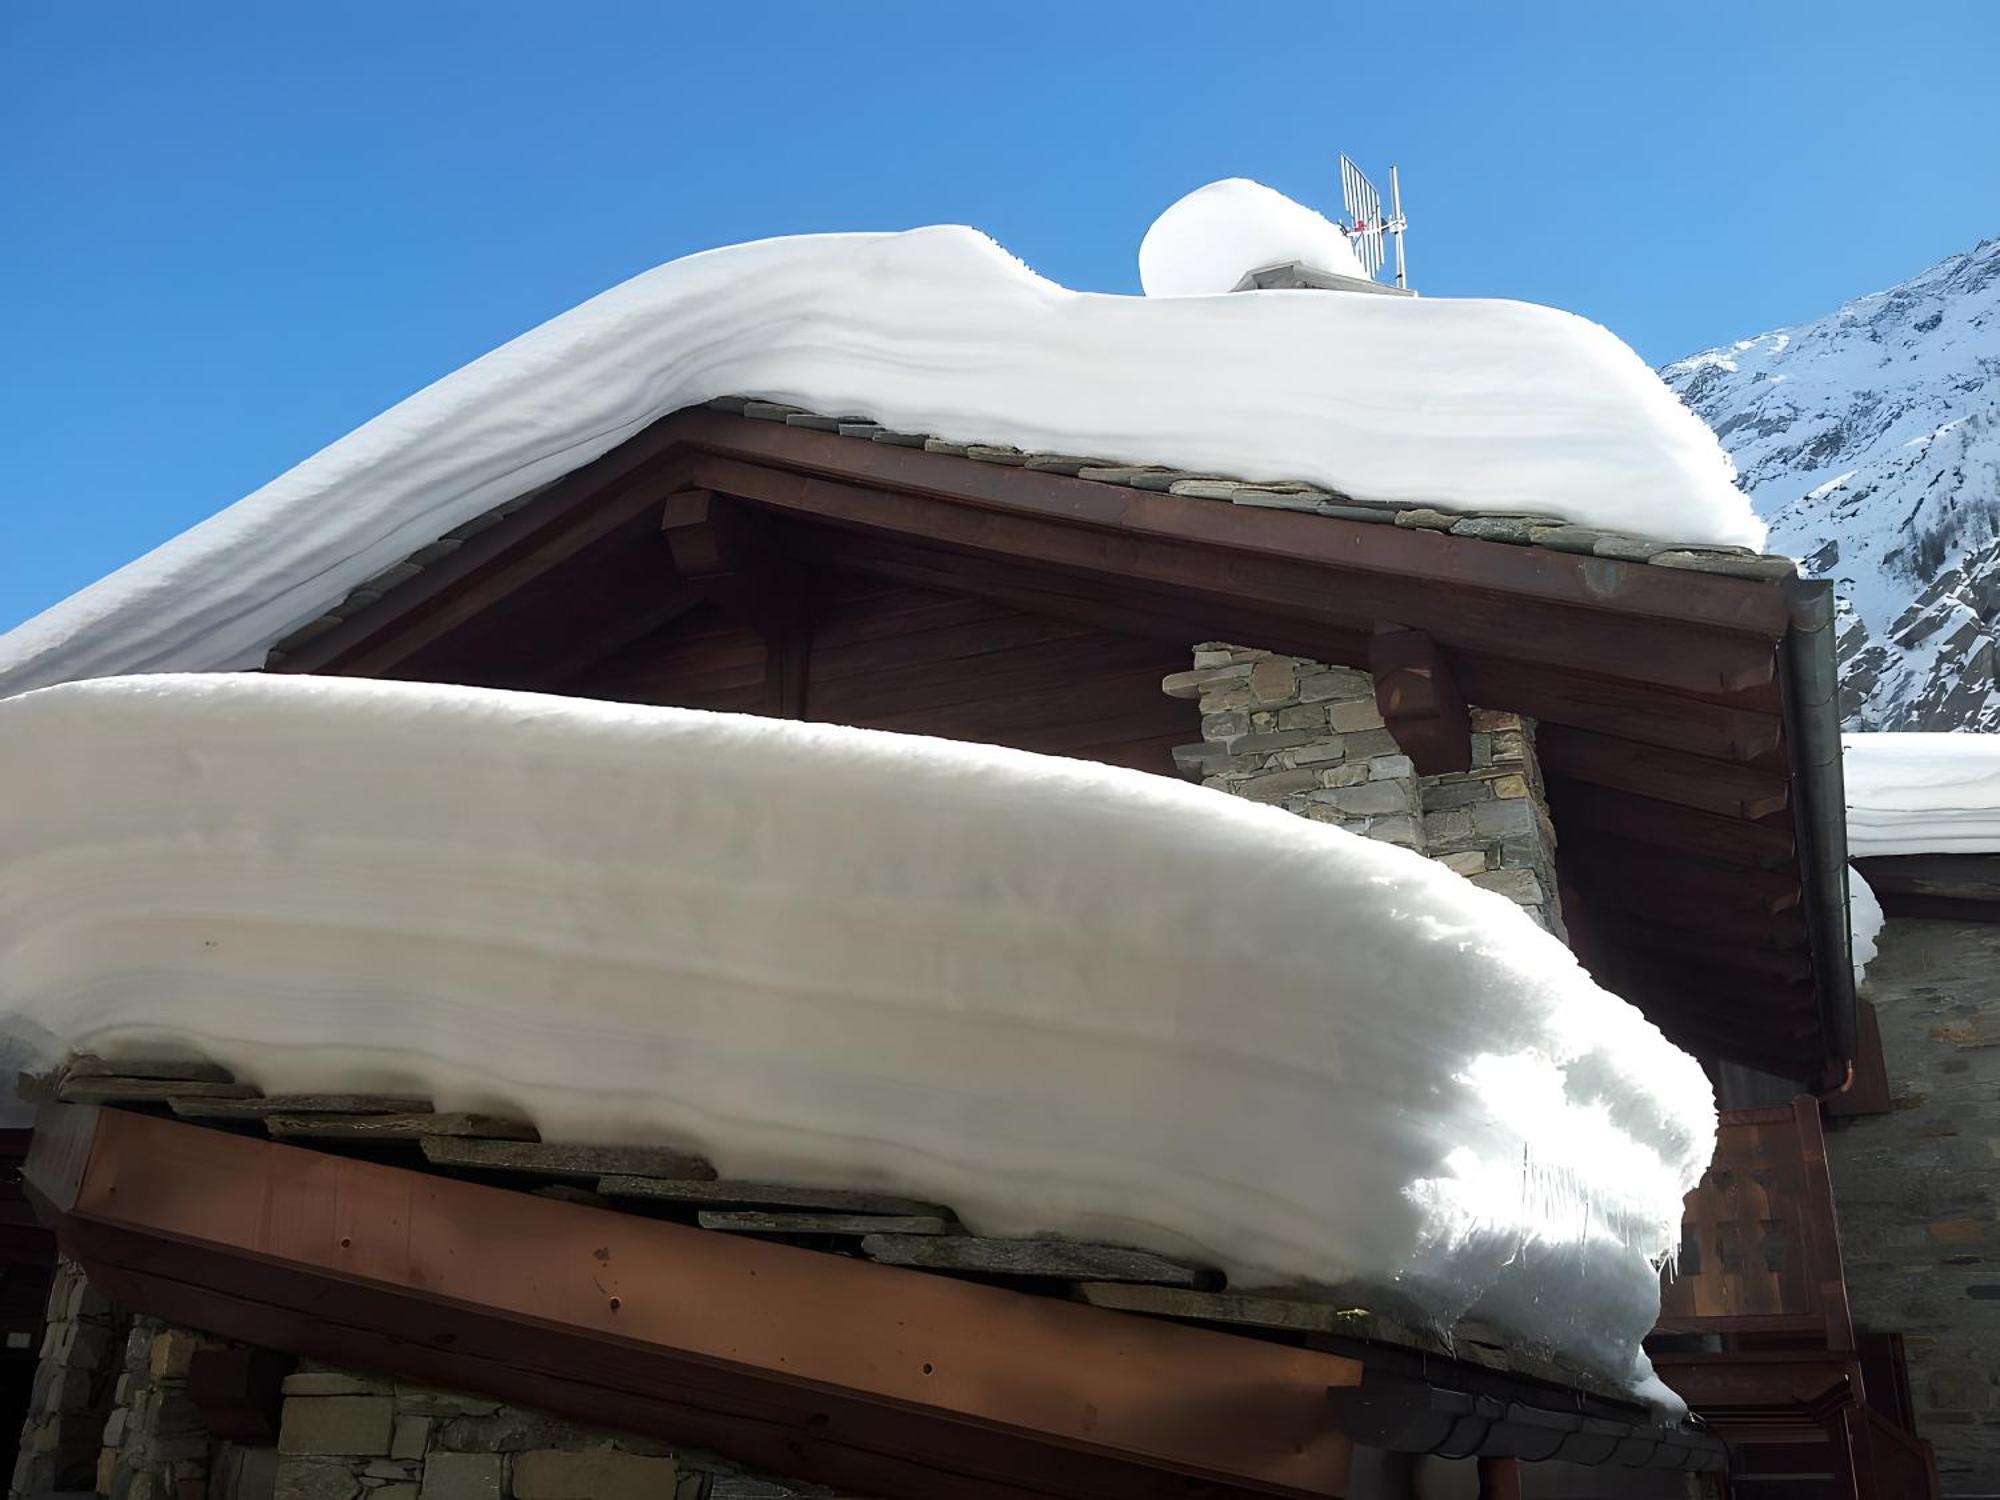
point(1870, 440)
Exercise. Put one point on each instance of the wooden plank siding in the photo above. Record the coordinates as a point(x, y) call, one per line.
point(891, 656)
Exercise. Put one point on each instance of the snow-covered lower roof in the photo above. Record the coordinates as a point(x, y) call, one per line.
point(1303, 1056)
point(1445, 405)
point(1922, 793)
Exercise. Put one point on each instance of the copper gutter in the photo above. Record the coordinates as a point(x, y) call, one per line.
point(889, 1381)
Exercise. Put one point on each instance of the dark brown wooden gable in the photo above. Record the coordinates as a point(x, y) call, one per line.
point(665, 571)
point(920, 661)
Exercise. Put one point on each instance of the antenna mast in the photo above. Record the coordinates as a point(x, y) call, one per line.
point(1397, 223)
point(1364, 209)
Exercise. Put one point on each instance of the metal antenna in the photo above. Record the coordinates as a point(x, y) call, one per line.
point(1364, 209)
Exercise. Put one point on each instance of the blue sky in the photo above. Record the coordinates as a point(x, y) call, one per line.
point(231, 232)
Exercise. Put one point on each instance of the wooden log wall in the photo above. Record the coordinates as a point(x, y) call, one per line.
point(890, 656)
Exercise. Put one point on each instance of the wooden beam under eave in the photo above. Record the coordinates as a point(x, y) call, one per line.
point(556, 525)
point(1679, 880)
point(1695, 781)
point(1532, 574)
point(972, 1392)
point(732, 554)
point(1419, 700)
point(1699, 659)
point(1660, 824)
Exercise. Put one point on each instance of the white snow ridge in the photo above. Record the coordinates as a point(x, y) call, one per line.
point(1471, 405)
point(1922, 793)
point(1057, 995)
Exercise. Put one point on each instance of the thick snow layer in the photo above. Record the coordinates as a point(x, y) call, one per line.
point(1864, 922)
point(1475, 405)
point(1057, 995)
point(1922, 793)
point(1208, 241)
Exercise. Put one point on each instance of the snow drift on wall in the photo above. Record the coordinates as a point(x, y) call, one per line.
point(1057, 995)
point(1470, 404)
point(1922, 793)
point(1865, 921)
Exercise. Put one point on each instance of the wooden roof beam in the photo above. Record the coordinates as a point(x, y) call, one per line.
point(1696, 781)
point(1727, 605)
point(730, 553)
point(1173, 553)
point(1419, 700)
point(867, 1377)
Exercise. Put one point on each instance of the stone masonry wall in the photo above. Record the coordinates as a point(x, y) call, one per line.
point(1917, 1190)
point(110, 1416)
point(82, 1344)
point(154, 1445)
point(1308, 738)
point(349, 1436)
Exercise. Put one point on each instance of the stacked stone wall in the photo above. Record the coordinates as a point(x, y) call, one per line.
point(1917, 1190)
point(83, 1342)
point(154, 1445)
point(351, 1436)
point(1307, 737)
point(111, 1416)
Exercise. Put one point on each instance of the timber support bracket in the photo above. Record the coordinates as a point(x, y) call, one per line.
point(731, 554)
point(1419, 700)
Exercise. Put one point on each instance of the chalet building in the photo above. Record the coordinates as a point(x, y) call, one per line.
point(1635, 741)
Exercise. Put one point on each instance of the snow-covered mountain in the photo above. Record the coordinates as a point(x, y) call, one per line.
point(1870, 440)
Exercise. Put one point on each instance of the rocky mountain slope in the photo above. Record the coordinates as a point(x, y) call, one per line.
point(1870, 440)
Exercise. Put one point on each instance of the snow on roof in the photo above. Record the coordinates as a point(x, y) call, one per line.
point(1466, 405)
point(1922, 793)
point(1208, 240)
point(1061, 996)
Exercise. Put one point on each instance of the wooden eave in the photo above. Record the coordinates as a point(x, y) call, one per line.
point(875, 1379)
point(1665, 727)
point(868, 1377)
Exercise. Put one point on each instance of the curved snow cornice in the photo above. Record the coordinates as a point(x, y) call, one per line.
point(830, 956)
point(1464, 405)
